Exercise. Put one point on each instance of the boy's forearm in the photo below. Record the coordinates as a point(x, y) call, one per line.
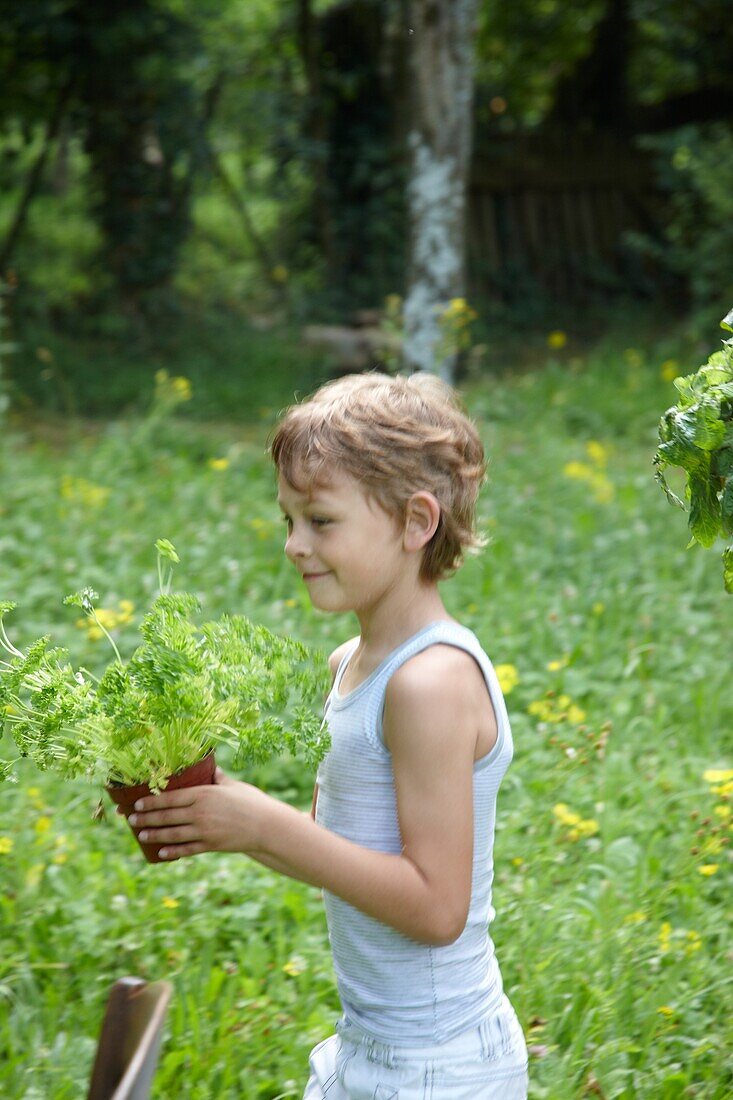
point(390, 888)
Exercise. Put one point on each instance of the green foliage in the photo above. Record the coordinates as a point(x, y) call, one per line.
point(183, 690)
point(613, 945)
point(232, 369)
point(697, 435)
point(5, 349)
point(595, 935)
point(695, 170)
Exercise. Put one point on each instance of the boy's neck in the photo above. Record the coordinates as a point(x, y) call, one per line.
point(386, 627)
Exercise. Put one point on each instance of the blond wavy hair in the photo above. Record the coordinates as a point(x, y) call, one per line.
point(396, 436)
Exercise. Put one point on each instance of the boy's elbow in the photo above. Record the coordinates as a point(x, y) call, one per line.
point(446, 928)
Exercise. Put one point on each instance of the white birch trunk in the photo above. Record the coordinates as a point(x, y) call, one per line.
point(442, 66)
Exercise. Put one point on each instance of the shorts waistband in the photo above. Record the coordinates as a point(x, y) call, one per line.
point(491, 1038)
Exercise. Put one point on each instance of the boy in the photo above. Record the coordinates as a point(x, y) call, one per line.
point(378, 479)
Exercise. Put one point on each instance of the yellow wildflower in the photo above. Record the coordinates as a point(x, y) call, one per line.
point(218, 463)
point(723, 811)
point(108, 618)
point(723, 790)
point(508, 677)
point(564, 815)
point(580, 471)
point(84, 492)
point(694, 943)
point(637, 917)
point(295, 965)
point(556, 339)
point(669, 370)
point(290, 603)
point(169, 903)
point(541, 709)
point(43, 824)
point(718, 775)
point(458, 308)
point(6, 845)
point(517, 861)
point(596, 479)
point(665, 1010)
point(36, 797)
point(576, 715)
point(34, 874)
point(597, 452)
point(555, 666)
point(598, 608)
point(181, 388)
point(171, 391)
point(579, 827)
point(665, 936)
point(708, 869)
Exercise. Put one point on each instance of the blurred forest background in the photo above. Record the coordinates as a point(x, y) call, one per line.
point(198, 181)
point(205, 207)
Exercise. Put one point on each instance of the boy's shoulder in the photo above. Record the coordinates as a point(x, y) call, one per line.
point(437, 701)
point(339, 653)
point(441, 670)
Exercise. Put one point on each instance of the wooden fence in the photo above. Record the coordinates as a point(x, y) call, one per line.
point(555, 212)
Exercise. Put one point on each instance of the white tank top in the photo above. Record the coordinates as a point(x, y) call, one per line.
point(395, 988)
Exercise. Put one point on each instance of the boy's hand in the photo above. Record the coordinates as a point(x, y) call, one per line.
point(226, 816)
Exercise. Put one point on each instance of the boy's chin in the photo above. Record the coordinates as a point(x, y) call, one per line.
point(323, 603)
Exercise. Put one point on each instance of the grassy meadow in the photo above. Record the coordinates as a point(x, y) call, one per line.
point(612, 883)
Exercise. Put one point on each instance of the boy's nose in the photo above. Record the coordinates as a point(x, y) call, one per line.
point(295, 547)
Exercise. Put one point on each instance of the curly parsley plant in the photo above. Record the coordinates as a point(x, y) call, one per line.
point(185, 688)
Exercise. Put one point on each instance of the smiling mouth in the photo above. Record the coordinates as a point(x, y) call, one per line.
point(313, 576)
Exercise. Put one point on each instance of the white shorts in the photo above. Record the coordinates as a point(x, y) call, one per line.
point(489, 1062)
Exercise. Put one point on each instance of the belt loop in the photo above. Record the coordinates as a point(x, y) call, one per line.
point(506, 1036)
point(485, 1037)
point(379, 1053)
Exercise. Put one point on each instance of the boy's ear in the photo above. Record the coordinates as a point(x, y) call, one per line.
point(422, 516)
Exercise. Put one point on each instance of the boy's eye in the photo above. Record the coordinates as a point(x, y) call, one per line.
point(319, 521)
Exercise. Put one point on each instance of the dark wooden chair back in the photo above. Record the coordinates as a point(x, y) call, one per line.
point(127, 1052)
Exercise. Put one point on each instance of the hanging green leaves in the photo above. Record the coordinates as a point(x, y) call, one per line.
point(696, 434)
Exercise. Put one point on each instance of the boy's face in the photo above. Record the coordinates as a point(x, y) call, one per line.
point(345, 546)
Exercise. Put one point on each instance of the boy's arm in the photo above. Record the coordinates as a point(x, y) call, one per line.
point(431, 729)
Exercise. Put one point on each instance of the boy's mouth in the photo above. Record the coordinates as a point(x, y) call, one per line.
point(314, 576)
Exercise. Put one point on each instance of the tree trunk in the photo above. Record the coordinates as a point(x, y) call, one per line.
point(33, 179)
point(441, 40)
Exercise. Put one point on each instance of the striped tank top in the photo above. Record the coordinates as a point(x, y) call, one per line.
point(395, 988)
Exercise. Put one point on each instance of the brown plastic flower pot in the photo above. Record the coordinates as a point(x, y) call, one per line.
point(197, 775)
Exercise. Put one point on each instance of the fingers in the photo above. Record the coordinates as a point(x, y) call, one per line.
point(168, 800)
point(181, 815)
point(179, 834)
point(181, 850)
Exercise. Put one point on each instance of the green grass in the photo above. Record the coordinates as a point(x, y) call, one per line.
point(104, 366)
point(595, 935)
